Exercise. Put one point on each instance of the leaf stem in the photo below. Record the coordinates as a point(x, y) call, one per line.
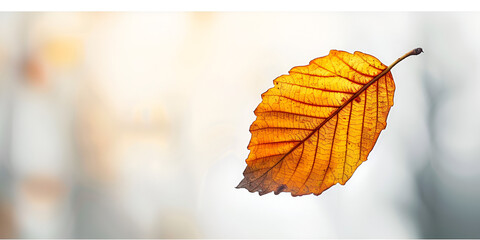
point(415, 51)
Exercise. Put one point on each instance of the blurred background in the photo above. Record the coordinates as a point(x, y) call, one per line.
point(135, 125)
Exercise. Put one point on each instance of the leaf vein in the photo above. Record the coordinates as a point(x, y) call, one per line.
point(297, 114)
point(354, 69)
point(361, 57)
point(298, 162)
point(313, 164)
point(285, 128)
point(322, 89)
point(266, 143)
point(336, 74)
point(346, 141)
point(331, 151)
point(302, 102)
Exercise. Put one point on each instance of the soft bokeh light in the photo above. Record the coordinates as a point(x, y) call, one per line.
point(135, 125)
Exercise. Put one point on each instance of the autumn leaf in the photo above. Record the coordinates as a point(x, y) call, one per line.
point(319, 123)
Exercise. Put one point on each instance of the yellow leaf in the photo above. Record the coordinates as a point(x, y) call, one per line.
point(319, 123)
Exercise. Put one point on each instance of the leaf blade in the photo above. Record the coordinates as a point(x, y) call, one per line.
point(326, 103)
